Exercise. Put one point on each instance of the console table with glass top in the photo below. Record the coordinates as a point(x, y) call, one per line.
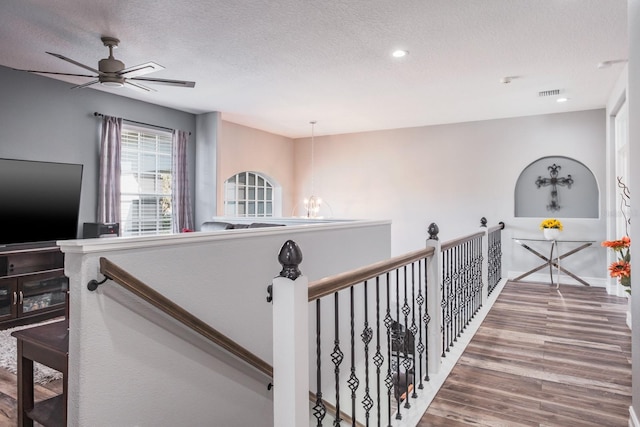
point(551, 261)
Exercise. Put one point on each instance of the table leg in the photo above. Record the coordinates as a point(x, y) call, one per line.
point(25, 387)
point(554, 262)
point(550, 262)
point(540, 267)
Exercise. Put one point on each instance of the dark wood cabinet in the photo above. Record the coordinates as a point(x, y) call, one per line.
point(8, 298)
point(33, 286)
point(47, 344)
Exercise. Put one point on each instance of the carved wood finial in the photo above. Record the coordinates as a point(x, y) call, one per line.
point(290, 257)
point(433, 231)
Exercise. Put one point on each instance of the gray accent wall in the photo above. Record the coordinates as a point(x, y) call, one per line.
point(43, 119)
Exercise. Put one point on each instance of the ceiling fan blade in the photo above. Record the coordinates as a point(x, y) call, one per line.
point(86, 84)
point(138, 87)
point(51, 72)
point(180, 83)
point(139, 70)
point(64, 58)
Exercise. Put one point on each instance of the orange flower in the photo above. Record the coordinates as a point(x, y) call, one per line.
point(620, 269)
point(617, 245)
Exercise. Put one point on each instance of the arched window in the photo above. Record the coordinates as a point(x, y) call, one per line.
point(248, 194)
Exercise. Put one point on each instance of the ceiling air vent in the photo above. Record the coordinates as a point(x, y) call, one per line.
point(553, 92)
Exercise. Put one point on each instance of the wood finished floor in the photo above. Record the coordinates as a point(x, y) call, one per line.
point(8, 394)
point(542, 357)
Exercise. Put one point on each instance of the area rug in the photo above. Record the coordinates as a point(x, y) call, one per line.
point(8, 355)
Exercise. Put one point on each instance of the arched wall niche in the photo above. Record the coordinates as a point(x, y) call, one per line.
point(577, 190)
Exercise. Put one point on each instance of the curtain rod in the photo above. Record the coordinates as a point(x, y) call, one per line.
point(96, 114)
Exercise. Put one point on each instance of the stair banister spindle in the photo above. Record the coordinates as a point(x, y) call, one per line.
point(406, 362)
point(367, 334)
point(398, 341)
point(353, 379)
point(414, 331)
point(378, 359)
point(337, 357)
point(420, 301)
point(425, 319)
point(319, 410)
point(387, 323)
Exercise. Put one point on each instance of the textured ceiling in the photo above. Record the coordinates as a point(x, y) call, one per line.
point(278, 64)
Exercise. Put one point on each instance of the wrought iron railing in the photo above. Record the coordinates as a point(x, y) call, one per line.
point(461, 288)
point(378, 333)
point(494, 261)
point(367, 344)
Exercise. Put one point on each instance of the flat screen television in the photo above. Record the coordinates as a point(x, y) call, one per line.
point(39, 201)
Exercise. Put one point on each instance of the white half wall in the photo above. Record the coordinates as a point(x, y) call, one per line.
point(129, 365)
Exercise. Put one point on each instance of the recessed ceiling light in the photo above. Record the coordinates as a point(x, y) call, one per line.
point(399, 53)
point(562, 99)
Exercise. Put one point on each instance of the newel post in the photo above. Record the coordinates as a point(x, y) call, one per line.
point(289, 295)
point(434, 297)
point(485, 259)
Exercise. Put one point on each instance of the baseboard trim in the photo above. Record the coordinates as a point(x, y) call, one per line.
point(633, 418)
point(599, 282)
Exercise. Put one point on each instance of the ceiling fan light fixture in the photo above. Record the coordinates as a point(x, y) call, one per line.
point(111, 81)
point(112, 84)
point(111, 72)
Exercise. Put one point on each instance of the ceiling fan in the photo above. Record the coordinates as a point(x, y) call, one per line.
point(112, 72)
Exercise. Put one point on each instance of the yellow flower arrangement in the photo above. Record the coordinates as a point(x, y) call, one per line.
point(551, 223)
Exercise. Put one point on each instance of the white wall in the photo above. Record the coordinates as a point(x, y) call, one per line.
point(453, 175)
point(634, 141)
point(612, 212)
point(125, 366)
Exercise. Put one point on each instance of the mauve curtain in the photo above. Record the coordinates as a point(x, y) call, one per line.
point(109, 182)
point(181, 201)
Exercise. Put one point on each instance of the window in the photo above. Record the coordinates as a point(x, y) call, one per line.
point(248, 194)
point(145, 182)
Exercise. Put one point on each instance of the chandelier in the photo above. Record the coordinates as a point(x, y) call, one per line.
point(312, 203)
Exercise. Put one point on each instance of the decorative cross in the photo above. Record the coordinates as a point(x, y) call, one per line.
point(554, 181)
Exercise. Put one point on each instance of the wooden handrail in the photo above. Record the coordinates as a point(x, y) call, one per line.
point(460, 240)
point(329, 285)
point(139, 288)
point(500, 226)
point(338, 282)
point(162, 303)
